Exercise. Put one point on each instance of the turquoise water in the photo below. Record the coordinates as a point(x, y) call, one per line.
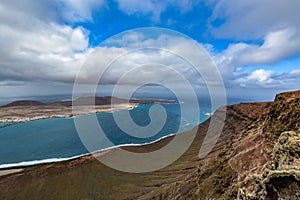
point(57, 139)
point(4, 124)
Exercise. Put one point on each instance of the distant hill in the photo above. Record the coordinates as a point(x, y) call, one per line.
point(86, 100)
point(107, 100)
point(90, 100)
point(24, 103)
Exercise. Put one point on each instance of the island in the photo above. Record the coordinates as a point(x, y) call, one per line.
point(27, 110)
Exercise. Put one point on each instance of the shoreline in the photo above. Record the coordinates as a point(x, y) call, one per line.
point(14, 115)
point(11, 168)
point(26, 164)
point(10, 171)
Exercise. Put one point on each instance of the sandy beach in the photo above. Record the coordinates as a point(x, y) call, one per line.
point(9, 171)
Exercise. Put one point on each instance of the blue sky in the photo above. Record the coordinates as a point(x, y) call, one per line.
point(256, 44)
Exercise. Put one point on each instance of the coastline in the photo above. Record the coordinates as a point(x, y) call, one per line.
point(25, 164)
point(17, 117)
point(15, 167)
point(19, 114)
point(10, 171)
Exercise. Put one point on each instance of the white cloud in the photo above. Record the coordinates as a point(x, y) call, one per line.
point(79, 10)
point(53, 52)
point(48, 51)
point(150, 52)
point(146, 7)
point(295, 72)
point(34, 49)
point(261, 75)
point(154, 8)
point(79, 39)
point(271, 31)
point(254, 19)
point(277, 45)
point(45, 10)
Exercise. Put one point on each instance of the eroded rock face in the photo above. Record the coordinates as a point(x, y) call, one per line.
point(286, 153)
point(282, 181)
point(282, 184)
point(284, 115)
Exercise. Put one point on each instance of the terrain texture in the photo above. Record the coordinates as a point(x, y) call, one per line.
point(256, 157)
point(27, 110)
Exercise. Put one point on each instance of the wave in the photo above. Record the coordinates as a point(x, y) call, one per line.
point(66, 100)
point(6, 124)
point(37, 162)
point(134, 107)
point(208, 114)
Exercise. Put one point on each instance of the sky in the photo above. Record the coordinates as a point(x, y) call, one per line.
point(254, 43)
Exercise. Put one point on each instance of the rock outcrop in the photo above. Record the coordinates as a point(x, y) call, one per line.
point(284, 115)
point(282, 181)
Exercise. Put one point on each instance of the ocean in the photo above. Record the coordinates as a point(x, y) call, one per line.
point(56, 139)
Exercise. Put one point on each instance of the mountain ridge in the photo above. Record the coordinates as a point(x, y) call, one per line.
point(86, 100)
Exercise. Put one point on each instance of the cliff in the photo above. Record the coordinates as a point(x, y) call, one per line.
point(256, 157)
point(284, 115)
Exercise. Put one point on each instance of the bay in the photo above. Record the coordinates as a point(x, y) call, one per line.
point(55, 139)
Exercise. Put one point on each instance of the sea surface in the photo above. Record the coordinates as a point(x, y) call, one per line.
point(56, 139)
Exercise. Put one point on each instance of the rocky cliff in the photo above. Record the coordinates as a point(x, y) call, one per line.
point(256, 157)
point(284, 115)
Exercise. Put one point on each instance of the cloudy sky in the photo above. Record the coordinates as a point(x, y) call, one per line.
point(255, 43)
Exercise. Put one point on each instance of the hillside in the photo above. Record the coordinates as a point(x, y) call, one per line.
point(26, 110)
point(24, 103)
point(253, 159)
point(85, 101)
